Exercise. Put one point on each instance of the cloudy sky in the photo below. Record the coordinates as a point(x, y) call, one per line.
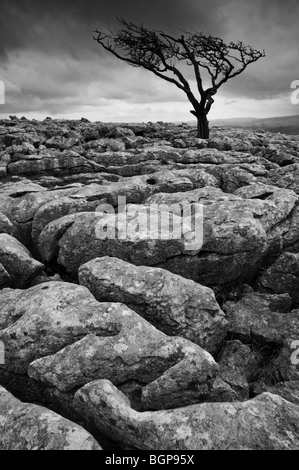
point(51, 66)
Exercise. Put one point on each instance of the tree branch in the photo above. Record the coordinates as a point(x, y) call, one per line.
point(159, 53)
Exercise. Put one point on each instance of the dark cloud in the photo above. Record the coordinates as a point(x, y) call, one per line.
point(50, 63)
point(52, 24)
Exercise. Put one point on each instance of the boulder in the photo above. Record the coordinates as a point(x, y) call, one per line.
point(48, 240)
point(45, 318)
point(24, 426)
point(20, 188)
point(255, 317)
point(267, 422)
point(174, 305)
point(18, 261)
point(286, 177)
point(257, 320)
point(67, 161)
point(56, 209)
point(22, 209)
point(288, 390)
point(282, 277)
point(237, 234)
point(238, 364)
point(48, 329)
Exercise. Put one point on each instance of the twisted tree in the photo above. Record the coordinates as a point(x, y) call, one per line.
point(160, 53)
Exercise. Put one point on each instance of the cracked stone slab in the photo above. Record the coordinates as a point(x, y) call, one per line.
point(238, 364)
point(254, 317)
point(267, 422)
point(18, 261)
point(237, 234)
point(175, 305)
point(282, 277)
point(61, 336)
point(45, 318)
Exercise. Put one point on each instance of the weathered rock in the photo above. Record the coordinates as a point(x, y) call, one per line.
point(163, 373)
point(266, 422)
point(17, 261)
point(256, 190)
point(268, 192)
point(62, 143)
point(22, 209)
point(280, 154)
point(50, 327)
point(48, 239)
point(254, 318)
point(234, 178)
point(45, 318)
point(50, 182)
point(286, 177)
point(18, 189)
point(56, 209)
point(5, 225)
point(121, 132)
point(66, 161)
point(206, 196)
point(238, 364)
point(282, 277)
point(288, 390)
point(6, 205)
point(209, 156)
point(176, 306)
point(284, 365)
point(222, 392)
point(89, 231)
point(137, 188)
point(26, 426)
point(182, 143)
point(45, 278)
point(4, 161)
point(237, 235)
point(64, 338)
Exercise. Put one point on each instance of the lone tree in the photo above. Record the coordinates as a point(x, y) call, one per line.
point(160, 53)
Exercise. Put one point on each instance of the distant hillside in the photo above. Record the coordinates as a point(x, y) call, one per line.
point(283, 124)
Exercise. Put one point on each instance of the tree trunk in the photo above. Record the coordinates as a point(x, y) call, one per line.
point(203, 131)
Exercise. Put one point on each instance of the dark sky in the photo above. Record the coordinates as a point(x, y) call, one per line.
point(50, 64)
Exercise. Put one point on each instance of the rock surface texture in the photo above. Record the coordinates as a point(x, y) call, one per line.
point(176, 305)
point(25, 426)
point(149, 287)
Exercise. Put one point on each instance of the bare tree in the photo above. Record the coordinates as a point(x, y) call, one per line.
point(160, 53)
